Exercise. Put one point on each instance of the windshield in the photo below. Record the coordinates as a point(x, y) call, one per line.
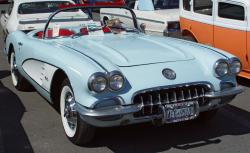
point(90, 22)
point(40, 7)
point(166, 4)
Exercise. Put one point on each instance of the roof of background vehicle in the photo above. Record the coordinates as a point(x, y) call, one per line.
point(28, 1)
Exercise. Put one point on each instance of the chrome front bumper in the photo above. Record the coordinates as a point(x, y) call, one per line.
point(122, 115)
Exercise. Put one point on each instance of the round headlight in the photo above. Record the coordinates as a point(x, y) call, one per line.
point(116, 82)
point(235, 66)
point(98, 83)
point(221, 68)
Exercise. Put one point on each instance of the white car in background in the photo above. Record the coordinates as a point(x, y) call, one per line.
point(156, 16)
point(27, 15)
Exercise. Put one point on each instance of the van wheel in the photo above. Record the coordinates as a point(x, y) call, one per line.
point(78, 131)
point(19, 82)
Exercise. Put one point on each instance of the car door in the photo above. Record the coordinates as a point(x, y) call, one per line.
point(230, 27)
point(248, 39)
point(200, 22)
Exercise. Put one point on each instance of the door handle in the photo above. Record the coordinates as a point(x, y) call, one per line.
point(20, 44)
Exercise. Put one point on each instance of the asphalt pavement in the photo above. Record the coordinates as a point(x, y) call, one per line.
point(29, 124)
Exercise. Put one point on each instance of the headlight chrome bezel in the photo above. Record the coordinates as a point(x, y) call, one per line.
point(232, 60)
point(107, 77)
point(229, 63)
point(112, 74)
point(217, 63)
point(94, 77)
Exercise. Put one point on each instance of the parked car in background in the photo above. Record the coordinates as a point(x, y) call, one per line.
point(27, 15)
point(112, 75)
point(221, 24)
point(159, 17)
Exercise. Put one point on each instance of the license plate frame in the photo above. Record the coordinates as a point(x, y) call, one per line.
point(179, 112)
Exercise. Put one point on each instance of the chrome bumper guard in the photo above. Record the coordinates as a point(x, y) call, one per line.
point(225, 93)
point(129, 109)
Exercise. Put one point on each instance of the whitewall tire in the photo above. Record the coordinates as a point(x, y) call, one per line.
point(77, 130)
point(19, 82)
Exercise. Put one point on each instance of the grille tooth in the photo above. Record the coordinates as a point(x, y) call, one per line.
point(167, 97)
point(159, 99)
point(203, 95)
point(175, 97)
point(196, 93)
point(182, 95)
point(189, 94)
point(150, 101)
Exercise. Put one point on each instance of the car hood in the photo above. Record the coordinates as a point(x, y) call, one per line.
point(128, 50)
point(170, 14)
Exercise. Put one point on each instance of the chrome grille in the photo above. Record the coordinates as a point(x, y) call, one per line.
point(151, 100)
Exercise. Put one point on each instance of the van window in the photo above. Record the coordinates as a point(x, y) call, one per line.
point(186, 5)
point(231, 11)
point(10, 7)
point(166, 4)
point(130, 3)
point(203, 7)
point(40, 7)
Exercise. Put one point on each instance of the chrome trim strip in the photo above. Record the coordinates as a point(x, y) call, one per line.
point(55, 20)
point(138, 18)
point(109, 111)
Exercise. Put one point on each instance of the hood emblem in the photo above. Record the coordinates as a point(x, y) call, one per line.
point(169, 74)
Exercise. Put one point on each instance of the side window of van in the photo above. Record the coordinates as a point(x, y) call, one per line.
point(131, 3)
point(10, 7)
point(231, 11)
point(186, 5)
point(203, 7)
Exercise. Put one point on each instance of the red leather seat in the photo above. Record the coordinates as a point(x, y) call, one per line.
point(62, 32)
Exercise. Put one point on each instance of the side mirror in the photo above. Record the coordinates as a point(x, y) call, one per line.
point(3, 11)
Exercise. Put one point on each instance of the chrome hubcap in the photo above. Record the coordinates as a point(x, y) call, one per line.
point(14, 67)
point(70, 111)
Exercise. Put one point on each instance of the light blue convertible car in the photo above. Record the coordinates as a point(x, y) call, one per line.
point(110, 74)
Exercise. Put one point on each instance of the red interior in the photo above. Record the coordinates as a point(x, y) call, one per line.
point(62, 32)
point(67, 32)
point(106, 29)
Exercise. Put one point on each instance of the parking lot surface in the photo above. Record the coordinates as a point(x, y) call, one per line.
point(29, 124)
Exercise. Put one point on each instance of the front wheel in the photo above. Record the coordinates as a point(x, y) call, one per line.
point(78, 131)
point(18, 80)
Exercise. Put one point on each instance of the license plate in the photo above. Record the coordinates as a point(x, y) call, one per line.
point(181, 111)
